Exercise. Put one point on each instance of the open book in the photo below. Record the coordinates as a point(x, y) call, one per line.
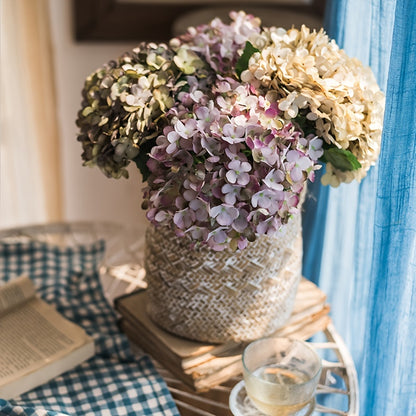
point(202, 366)
point(36, 342)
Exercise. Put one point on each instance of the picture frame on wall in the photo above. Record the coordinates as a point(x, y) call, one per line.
point(160, 20)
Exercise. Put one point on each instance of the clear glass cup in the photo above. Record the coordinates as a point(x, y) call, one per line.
point(281, 376)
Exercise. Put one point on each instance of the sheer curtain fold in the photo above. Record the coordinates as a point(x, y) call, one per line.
point(367, 264)
point(391, 321)
point(30, 175)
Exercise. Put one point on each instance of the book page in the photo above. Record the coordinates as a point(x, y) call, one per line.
point(15, 293)
point(33, 335)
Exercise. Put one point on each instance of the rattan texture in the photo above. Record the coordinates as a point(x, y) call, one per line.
point(213, 296)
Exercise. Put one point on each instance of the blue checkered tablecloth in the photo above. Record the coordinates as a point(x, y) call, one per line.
point(114, 381)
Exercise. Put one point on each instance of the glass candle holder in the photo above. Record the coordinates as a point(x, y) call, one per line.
point(281, 376)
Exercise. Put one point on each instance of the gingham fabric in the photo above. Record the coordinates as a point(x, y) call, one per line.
point(114, 381)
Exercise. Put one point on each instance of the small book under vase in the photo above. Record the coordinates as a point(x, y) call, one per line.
point(202, 366)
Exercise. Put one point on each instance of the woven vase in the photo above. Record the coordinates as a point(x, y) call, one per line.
point(215, 297)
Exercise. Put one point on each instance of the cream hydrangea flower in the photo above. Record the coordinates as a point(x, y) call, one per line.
point(336, 93)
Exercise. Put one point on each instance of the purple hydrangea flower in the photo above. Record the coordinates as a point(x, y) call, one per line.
point(224, 214)
point(238, 172)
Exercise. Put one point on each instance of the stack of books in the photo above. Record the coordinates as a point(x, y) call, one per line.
point(202, 366)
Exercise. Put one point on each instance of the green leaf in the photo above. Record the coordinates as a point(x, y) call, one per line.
point(341, 159)
point(141, 159)
point(242, 63)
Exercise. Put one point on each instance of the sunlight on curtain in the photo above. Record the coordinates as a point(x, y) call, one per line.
point(29, 153)
point(368, 231)
point(389, 376)
point(343, 218)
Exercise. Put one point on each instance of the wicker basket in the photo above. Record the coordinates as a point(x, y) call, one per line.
point(220, 296)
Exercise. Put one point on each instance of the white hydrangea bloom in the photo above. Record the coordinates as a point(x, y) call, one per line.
point(339, 94)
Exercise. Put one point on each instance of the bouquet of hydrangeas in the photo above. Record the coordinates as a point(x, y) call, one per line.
point(228, 122)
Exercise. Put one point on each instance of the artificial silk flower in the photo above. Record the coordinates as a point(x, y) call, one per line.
point(228, 122)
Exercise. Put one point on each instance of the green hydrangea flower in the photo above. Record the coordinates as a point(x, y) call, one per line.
point(123, 106)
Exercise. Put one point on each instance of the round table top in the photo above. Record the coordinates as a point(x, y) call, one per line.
point(122, 271)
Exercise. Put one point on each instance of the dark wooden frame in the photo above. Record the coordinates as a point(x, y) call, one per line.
point(110, 20)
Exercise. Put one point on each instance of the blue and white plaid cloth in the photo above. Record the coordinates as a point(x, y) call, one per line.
point(114, 381)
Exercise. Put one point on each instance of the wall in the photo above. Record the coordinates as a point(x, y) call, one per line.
point(87, 193)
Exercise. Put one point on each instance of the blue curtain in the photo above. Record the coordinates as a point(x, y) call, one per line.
point(360, 239)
